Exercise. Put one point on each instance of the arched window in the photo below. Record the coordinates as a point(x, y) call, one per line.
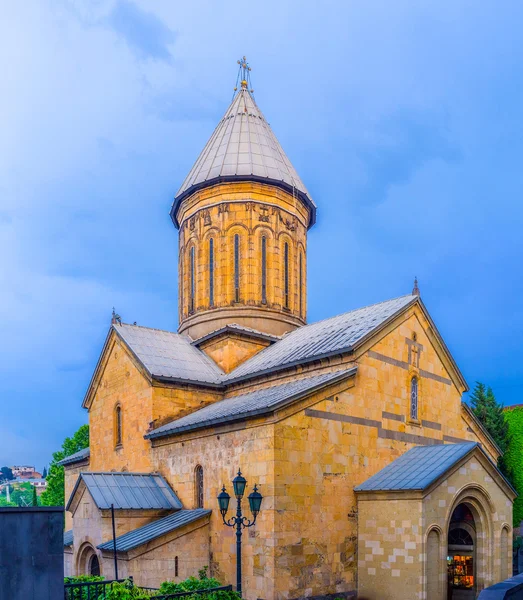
point(264, 270)
point(300, 283)
point(211, 272)
point(286, 275)
point(414, 398)
point(198, 483)
point(176, 566)
point(192, 282)
point(94, 565)
point(236, 268)
point(118, 426)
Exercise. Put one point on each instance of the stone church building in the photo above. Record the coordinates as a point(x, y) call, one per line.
point(377, 480)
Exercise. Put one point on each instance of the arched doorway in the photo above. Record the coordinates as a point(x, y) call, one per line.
point(88, 562)
point(461, 554)
point(94, 565)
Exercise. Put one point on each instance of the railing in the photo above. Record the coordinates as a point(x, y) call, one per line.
point(89, 590)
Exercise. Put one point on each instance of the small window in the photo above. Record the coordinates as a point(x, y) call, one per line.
point(176, 566)
point(286, 275)
point(300, 283)
point(192, 283)
point(198, 481)
point(414, 398)
point(211, 272)
point(236, 268)
point(118, 426)
point(94, 566)
point(264, 270)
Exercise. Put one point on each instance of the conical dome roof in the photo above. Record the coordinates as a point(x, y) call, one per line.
point(243, 147)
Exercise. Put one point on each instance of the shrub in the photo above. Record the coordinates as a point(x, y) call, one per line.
point(202, 582)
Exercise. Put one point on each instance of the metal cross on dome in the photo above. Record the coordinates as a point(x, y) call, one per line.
point(244, 75)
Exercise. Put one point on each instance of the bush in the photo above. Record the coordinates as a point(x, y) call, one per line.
point(202, 582)
point(83, 593)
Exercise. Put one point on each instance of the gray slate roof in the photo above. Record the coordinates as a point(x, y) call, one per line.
point(243, 146)
point(247, 405)
point(418, 468)
point(175, 357)
point(170, 355)
point(68, 538)
point(128, 491)
point(154, 530)
point(333, 335)
point(76, 457)
point(239, 329)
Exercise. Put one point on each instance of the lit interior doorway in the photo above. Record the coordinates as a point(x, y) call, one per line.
point(461, 554)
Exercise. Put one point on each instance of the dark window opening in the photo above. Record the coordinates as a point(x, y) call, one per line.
point(236, 268)
point(94, 565)
point(286, 275)
point(176, 566)
point(199, 486)
point(192, 282)
point(264, 270)
point(211, 272)
point(414, 398)
point(118, 426)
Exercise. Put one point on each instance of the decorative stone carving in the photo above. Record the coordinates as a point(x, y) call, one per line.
point(264, 214)
point(207, 218)
point(192, 223)
point(223, 208)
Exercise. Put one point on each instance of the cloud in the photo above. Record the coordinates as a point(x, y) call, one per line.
point(145, 34)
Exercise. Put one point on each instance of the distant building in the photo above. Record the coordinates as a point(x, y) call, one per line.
point(22, 470)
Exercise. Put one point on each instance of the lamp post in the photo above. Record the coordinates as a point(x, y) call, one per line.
point(239, 521)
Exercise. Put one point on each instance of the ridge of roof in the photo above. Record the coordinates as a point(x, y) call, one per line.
point(146, 533)
point(235, 328)
point(256, 403)
point(243, 147)
point(76, 457)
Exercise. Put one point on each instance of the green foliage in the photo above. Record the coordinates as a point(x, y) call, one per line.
point(94, 593)
point(202, 582)
point(6, 474)
point(22, 494)
point(126, 591)
point(35, 497)
point(491, 415)
point(513, 458)
point(44, 473)
point(54, 494)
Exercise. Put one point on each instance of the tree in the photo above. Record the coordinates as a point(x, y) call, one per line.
point(22, 494)
point(491, 415)
point(54, 494)
point(35, 496)
point(6, 474)
point(44, 473)
point(513, 457)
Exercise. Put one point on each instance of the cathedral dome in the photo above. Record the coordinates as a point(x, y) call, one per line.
point(243, 147)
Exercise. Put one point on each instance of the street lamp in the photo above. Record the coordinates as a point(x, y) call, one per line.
point(239, 521)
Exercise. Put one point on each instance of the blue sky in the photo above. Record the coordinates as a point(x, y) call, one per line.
point(404, 119)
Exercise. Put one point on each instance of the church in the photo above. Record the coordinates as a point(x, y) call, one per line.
point(377, 480)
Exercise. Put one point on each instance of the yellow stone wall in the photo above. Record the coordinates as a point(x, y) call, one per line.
point(253, 211)
point(70, 478)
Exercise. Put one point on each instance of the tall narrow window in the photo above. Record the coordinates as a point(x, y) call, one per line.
point(300, 283)
point(192, 281)
point(211, 272)
point(176, 566)
point(236, 268)
point(286, 275)
point(264, 270)
point(414, 398)
point(118, 426)
point(198, 483)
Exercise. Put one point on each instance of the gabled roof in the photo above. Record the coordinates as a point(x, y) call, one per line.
point(68, 538)
point(331, 336)
point(79, 456)
point(243, 147)
point(256, 403)
point(154, 530)
point(128, 491)
point(418, 468)
point(239, 330)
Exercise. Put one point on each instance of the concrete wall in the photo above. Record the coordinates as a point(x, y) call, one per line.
point(31, 553)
